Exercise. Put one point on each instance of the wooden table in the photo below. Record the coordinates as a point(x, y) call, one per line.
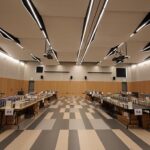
point(19, 111)
point(126, 109)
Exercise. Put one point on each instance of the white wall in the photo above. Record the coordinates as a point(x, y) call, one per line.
point(141, 71)
point(78, 73)
point(11, 68)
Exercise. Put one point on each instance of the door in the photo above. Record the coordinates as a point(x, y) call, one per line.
point(31, 86)
point(124, 87)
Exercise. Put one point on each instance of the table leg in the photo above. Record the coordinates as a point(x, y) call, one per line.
point(1, 121)
point(129, 120)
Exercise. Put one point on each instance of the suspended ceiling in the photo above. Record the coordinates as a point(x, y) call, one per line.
point(64, 23)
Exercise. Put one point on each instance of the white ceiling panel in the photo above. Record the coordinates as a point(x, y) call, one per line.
point(67, 8)
point(64, 21)
point(64, 33)
point(129, 5)
point(143, 35)
point(116, 27)
point(15, 19)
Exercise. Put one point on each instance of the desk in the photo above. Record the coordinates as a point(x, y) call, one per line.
point(30, 107)
point(118, 107)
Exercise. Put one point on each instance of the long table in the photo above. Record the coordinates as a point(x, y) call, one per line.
point(18, 111)
point(112, 105)
point(124, 106)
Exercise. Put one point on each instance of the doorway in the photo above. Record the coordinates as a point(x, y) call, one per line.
point(124, 87)
point(31, 86)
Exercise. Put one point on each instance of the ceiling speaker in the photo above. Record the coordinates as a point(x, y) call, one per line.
point(42, 77)
point(114, 78)
point(85, 77)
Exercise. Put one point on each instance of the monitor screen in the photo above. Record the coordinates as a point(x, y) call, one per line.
point(39, 69)
point(120, 72)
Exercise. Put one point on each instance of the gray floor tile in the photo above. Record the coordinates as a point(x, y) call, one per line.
point(73, 140)
point(110, 140)
point(72, 115)
point(46, 141)
point(61, 124)
point(9, 139)
point(85, 120)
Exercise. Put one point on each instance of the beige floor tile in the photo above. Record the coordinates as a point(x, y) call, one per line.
point(89, 140)
point(67, 106)
point(91, 106)
point(91, 110)
point(24, 141)
point(89, 116)
point(78, 107)
point(62, 142)
point(77, 115)
point(66, 115)
point(142, 134)
point(62, 110)
point(126, 140)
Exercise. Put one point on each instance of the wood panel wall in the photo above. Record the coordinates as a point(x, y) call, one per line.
point(77, 87)
point(139, 86)
point(10, 86)
point(25, 86)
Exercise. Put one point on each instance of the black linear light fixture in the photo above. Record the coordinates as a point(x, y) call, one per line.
point(113, 50)
point(9, 36)
point(35, 58)
point(99, 62)
point(38, 19)
point(3, 51)
point(86, 21)
point(95, 28)
point(144, 23)
point(147, 58)
point(146, 48)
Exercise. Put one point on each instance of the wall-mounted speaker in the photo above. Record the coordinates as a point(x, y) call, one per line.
point(85, 77)
point(114, 78)
point(71, 77)
point(42, 77)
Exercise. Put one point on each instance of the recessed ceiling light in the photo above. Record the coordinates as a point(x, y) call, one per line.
point(85, 27)
point(95, 28)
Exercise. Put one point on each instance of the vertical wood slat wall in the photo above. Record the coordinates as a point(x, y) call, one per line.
point(11, 86)
point(139, 86)
point(77, 87)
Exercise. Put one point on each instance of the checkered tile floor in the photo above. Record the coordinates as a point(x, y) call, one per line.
point(73, 123)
